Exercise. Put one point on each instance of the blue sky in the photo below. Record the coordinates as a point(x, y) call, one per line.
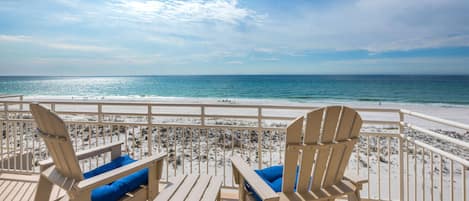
point(133, 37)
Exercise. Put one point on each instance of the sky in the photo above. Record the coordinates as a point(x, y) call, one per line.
point(134, 37)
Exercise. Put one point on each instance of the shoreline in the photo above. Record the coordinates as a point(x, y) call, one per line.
point(458, 113)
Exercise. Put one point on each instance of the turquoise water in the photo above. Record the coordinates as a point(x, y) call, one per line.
point(389, 88)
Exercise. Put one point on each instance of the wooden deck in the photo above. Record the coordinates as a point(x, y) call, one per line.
point(20, 187)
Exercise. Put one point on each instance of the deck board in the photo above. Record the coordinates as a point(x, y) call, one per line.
point(20, 187)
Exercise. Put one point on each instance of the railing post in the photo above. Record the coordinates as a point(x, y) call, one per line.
point(100, 113)
point(401, 156)
point(5, 109)
point(100, 119)
point(202, 115)
point(7, 132)
point(21, 105)
point(150, 130)
point(52, 107)
point(259, 137)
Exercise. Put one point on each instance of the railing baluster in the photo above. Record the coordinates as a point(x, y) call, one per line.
point(452, 179)
point(464, 190)
point(8, 145)
point(407, 172)
point(431, 176)
point(259, 137)
point(423, 174)
point(379, 167)
point(174, 138)
point(401, 132)
point(2, 128)
point(249, 147)
point(224, 158)
point(208, 150)
point(150, 129)
point(183, 150)
point(15, 142)
point(140, 142)
point(270, 148)
point(215, 148)
point(167, 152)
point(415, 171)
point(191, 147)
point(441, 178)
point(368, 163)
point(199, 132)
point(389, 167)
point(21, 144)
point(109, 130)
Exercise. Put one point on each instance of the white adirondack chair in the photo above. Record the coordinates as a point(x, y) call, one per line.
point(64, 171)
point(321, 152)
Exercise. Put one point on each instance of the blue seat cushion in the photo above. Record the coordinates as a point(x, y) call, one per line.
point(115, 190)
point(272, 176)
point(271, 173)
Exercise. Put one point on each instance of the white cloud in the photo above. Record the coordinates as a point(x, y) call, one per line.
point(382, 25)
point(272, 59)
point(184, 11)
point(235, 62)
point(263, 50)
point(66, 18)
point(54, 43)
point(77, 47)
point(69, 3)
point(226, 31)
point(14, 38)
point(169, 40)
point(375, 26)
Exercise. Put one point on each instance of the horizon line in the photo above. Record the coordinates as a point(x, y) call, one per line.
point(254, 74)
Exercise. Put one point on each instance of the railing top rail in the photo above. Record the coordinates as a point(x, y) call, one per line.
point(436, 119)
point(263, 106)
point(437, 135)
point(11, 95)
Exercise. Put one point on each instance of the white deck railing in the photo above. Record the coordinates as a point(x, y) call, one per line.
point(400, 155)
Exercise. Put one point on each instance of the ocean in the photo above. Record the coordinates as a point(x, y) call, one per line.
point(296, 88)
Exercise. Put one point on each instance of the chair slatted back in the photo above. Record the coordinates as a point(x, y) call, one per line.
point(53, 131)
point(324, 150)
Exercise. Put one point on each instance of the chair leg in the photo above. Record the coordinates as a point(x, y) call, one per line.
point(43, 190)
point(82, 196)
point(241, 189)
point(153, 183)
point(355, 196)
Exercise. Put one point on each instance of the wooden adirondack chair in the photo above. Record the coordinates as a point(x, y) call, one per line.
point(64, 171)
point(322, 154)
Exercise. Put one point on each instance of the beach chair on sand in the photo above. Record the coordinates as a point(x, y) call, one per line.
point(314, 163)
point(122, 179)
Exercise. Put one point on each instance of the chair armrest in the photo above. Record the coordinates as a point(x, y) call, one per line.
point(85, 154)
point(117, 173)
point(255, 181)
point(355, 179)
point(99, 150)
